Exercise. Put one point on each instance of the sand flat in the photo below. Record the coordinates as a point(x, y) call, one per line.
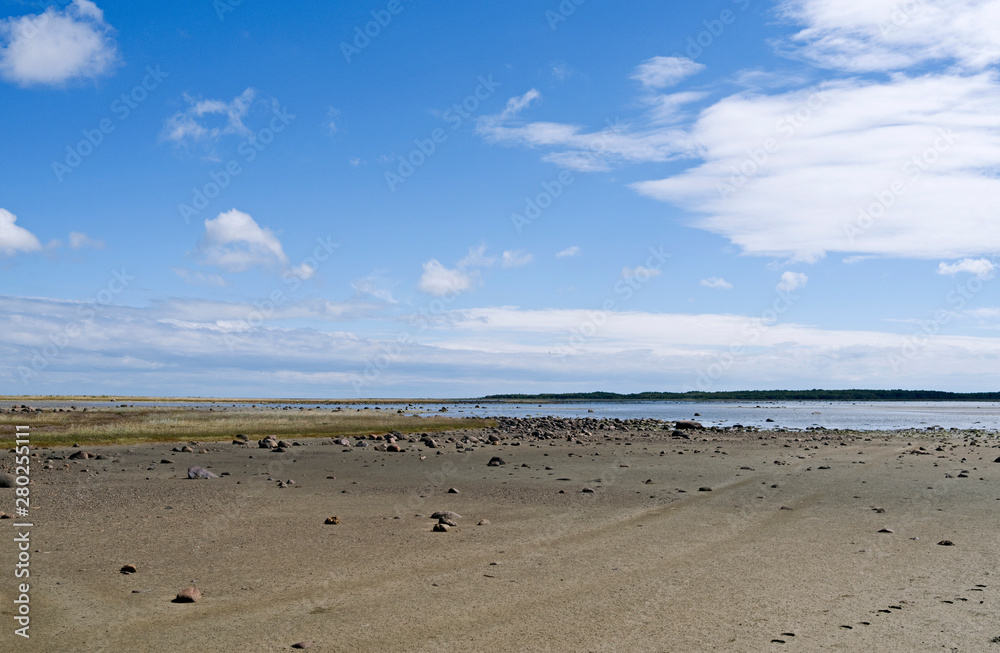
point(632, 566)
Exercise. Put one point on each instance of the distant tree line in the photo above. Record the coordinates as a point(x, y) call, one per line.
point(753, 395)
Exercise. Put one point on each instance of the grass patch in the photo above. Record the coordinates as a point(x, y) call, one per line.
point(167, 424)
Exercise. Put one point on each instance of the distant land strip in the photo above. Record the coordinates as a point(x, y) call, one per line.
point(750, 395)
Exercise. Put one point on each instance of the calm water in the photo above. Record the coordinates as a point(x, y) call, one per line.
point(799, 415)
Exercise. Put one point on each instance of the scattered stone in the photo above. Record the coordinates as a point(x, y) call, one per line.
point(705, 489)
point(306, 644)
point(81, 455)
point(6, 515)
point(128, 569)
point(446, 514)
point(588, 490)
point(7, 480)
point(946, 543)
point(452, 490)
point(200, 472)
point(332, 520)
point(886, 530)
point(447, 522)
point(484, 522)
point(496, 461)
point(688, 424)
point(189, 595)
point(166, 462)
point(187, 449)
point(441, 528)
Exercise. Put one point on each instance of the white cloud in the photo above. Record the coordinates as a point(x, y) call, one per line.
point(640, 272)
point(438, 280)
point(716, 282)
point(514, 259)
point(78, 240)
point(577, 149)
point(880, 35)
point(13, 238)
point(904, 168)
point(981, 267)
point(57, 47)
point(233, 241)
point(792, 280)
point(573, 250)
point(516, 105)
point(661, 72)
point(208, 120)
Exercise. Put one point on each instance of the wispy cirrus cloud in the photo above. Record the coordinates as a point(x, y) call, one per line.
point(208, 120)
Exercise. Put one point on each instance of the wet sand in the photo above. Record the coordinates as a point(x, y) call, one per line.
point(783, 554)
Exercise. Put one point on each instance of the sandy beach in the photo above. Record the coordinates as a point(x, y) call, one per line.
point(597, 540)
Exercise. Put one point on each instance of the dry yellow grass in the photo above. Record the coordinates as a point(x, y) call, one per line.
point(163, 424)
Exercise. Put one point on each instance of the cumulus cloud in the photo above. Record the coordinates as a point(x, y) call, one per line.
point(661, 72)
point(13, 238)
point(57, 46)
point(438, 280)
point(208, 120)
point(716, 282)
point(981, 267)
point(792, 280)
point(572, 250)
point(234, 242)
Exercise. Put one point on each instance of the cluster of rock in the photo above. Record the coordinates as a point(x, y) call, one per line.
point(270, 442)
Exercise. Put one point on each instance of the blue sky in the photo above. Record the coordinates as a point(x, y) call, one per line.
point(407, 198)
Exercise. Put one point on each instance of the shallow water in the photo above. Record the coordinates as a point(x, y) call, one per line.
point(798, 415)
point(789, 415)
